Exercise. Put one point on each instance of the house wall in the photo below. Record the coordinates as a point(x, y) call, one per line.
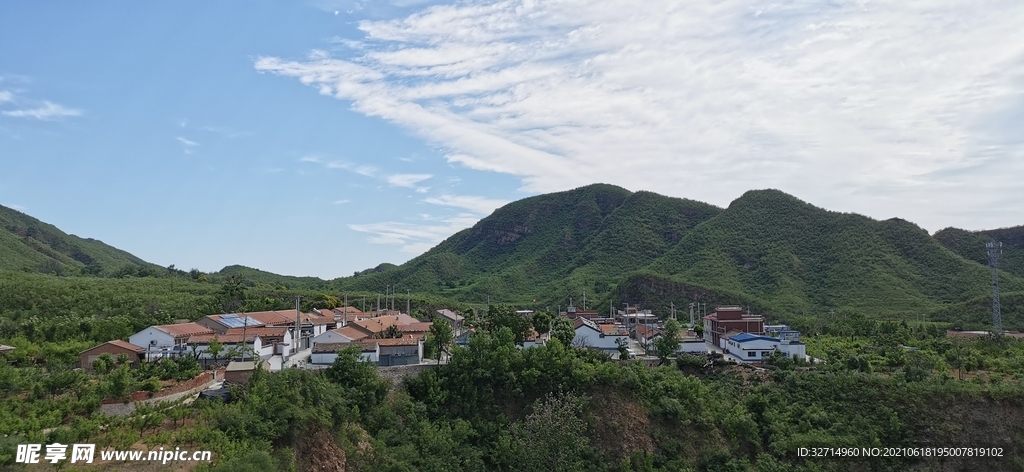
point(152, 338)
point(330, 337)
point(693, 346)
point(215, 326)
point(86, 358)
point(794, 350)
point(585, 336)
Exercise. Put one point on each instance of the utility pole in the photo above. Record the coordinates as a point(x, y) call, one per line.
point(408, 297)
point(345, 323)
point(298, 326)
point(692, 322)
point(994, 251)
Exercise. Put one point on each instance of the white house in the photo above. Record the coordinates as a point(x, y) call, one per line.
point(347, 334)
point(591, 334)
point(326, 353)
point(167, 340)
point(253, 345)
point(753, 347)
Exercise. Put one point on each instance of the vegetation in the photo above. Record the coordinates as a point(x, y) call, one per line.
point(873, 298)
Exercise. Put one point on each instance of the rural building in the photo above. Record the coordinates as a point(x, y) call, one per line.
point(346, 334)
point(239, 372)
point(400, 351)
point(115, 349)
point(326, 353)
point(753, 347)
point(252, 344)
point(167, 340)
point(591, 334)
point(728, 318)
point(453, 319)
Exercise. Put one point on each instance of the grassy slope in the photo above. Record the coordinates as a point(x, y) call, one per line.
point(30, 245)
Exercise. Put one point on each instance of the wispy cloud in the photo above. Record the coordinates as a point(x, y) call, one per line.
point(409, 181)
point(49, 111)
point(478, 205)
point(188, 146)
point(187, 142)
point(361, 169)
point(6, 96)
point(340, 202)
point(680, 97)
point(226, 132)
point(16, 207)
point(413, 237)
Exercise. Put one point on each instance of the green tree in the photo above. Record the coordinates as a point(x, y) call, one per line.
point(215, 349)
point(504, 316)
point(441, 335)
point(541, 322)
point(552, 437)
point(358, 377)
point(562, 330)
point(392, 332)
point(668, 343)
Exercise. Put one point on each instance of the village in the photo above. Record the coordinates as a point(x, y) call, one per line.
point(232, 346)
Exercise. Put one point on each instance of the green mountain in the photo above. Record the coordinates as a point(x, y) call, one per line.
point(767, 250)
point(971, 245)
point(30, 245)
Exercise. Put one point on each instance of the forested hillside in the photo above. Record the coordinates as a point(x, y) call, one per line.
point(29, 245)
point(767, 250)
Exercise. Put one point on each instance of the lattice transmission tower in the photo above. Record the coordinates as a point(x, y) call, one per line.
point(994, 251)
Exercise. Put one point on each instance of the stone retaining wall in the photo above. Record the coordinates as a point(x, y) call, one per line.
point(197, 381)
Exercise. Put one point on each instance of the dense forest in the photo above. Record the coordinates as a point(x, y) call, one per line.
point(494, 406)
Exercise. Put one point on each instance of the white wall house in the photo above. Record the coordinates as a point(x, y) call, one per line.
point(153, 339)
point(331, 337)
point(326, 353)
point(253, 344)
point(167, 340)
point(754, 348)
point(589, 334)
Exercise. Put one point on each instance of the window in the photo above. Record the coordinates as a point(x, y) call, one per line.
point(751, 354)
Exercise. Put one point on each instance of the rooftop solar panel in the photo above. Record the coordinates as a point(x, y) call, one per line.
point(234, 321)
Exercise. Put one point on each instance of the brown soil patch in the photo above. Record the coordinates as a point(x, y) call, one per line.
point(620, 425)
point(316, 451)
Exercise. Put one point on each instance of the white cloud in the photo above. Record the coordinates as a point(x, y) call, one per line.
point(340, 202)
point(6, 96)
point(48, 111)
point(407, 180)
point(414, 238)
point(187, 143)
point(16, 207)
point(475, 204)
point(901, 108)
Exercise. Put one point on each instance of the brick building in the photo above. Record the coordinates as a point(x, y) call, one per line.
point(114, 348)
point(730, 318)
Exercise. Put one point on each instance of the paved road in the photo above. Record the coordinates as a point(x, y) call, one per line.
point(299, 359)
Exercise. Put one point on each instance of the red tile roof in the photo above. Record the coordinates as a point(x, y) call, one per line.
point(403, 341)
point(351, 333)
point(121, 344)
point(417, 327)
point(222, 338)
point(184, 330)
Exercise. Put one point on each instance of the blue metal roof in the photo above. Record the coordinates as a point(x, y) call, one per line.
point(747, 337)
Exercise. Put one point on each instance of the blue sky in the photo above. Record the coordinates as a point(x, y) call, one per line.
point(324, 137)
